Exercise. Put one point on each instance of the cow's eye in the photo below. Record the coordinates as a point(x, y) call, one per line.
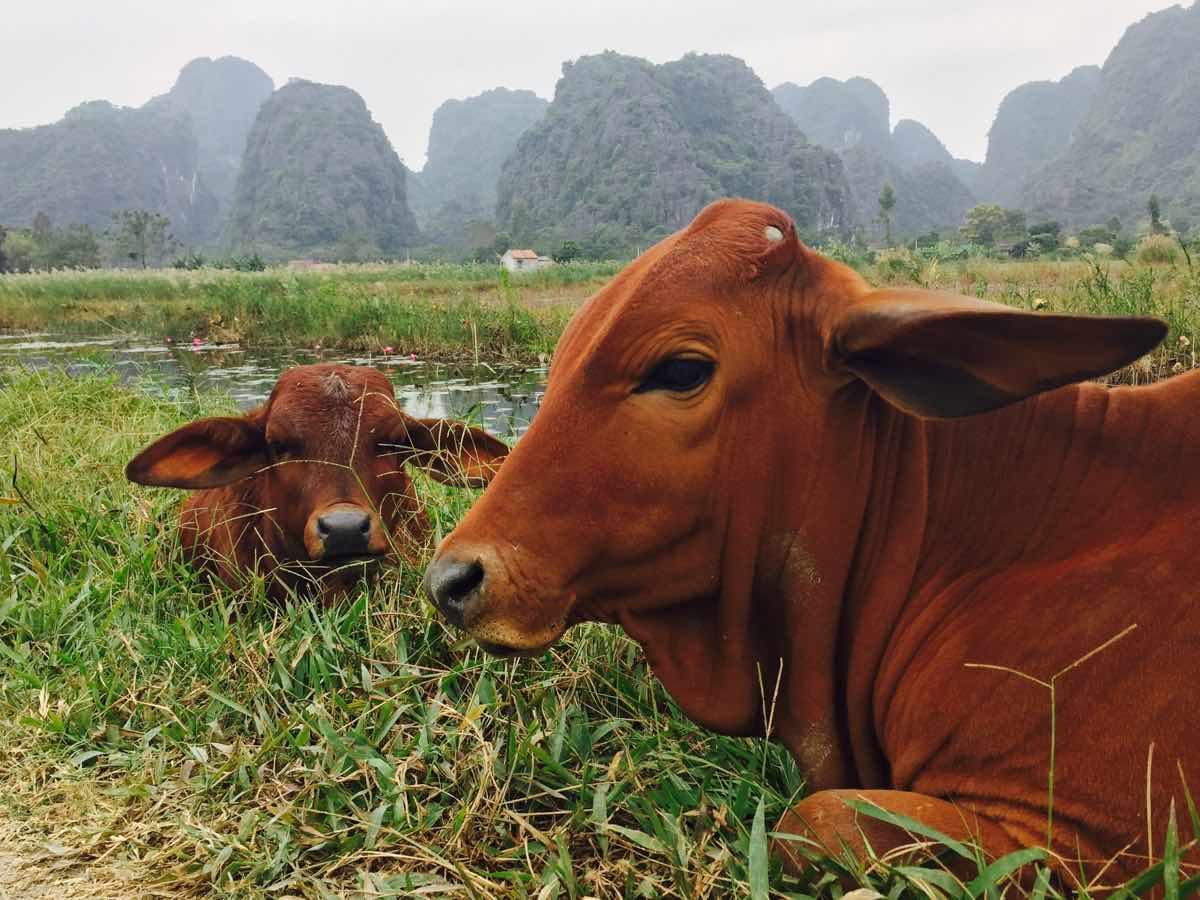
point(280, 448)
point(678, 374)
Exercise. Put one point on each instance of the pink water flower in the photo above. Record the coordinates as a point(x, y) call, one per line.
point(388, 349)
point(196, 342)
point(168, 340)
point(412, 357)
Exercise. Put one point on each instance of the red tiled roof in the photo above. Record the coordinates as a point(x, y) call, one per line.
point(523, 254)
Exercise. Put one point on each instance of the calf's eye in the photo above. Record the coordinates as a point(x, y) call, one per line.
point(678, 374)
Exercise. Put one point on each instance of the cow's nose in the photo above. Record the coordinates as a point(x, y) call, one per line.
point(450, 583)
point(344, 532)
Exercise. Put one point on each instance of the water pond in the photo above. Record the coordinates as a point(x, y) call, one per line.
point(505, 399)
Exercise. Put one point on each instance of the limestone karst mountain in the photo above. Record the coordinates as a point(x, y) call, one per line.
point(319, 178)
point(852, 118)
point(629, 151)
point(468, 143)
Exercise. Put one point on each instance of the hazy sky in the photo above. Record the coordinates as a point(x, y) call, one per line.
point(946, 64)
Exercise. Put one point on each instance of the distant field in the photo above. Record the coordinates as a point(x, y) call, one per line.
point(470, 310)
point(430, 309)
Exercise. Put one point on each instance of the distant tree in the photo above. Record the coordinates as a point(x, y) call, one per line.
point(990, 223)
point(1045, 237)
point(1154, 207)
point(985, 222)
point(41, 227)
point(502, 243)
point(141, 236)
point(887, 202)
point(1114, 226)
point(568, 251)
point(3, 258)
point(1096, 234)
point(75, 247)
point(20, 251)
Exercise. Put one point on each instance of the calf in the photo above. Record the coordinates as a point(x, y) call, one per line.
point(769, 473)
point(310, 489)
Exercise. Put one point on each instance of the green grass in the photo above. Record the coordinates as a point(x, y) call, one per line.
point(433, 310)
point(233, 746)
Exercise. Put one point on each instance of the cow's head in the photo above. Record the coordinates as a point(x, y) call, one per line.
point(696, 436)
point(323, 461)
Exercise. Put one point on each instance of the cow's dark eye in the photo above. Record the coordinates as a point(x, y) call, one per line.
point(280, 448)
point(678, 374)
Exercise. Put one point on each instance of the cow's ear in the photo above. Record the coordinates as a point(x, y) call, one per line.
point(453, 452)
point(203, 454)
point(943, 356)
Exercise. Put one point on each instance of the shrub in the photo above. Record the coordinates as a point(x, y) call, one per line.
point(897, 265)
point(1157, 248)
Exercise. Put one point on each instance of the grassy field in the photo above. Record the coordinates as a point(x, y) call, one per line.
point(462, 311)
point(444, 311)
point(208, 741)
point(185, 741)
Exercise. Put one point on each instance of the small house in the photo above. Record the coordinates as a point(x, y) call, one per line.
point(524, 261)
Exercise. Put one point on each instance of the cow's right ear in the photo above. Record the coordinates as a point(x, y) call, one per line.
point(203, 454)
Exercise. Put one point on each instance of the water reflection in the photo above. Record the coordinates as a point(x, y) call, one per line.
point(504, 398)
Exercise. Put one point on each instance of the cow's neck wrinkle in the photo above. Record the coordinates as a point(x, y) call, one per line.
point(1039, 483)
point(1044, 479)
point(927, 508)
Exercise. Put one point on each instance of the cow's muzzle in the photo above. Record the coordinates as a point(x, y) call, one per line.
point(472, 588)
point(342, 532)
point(452, 585)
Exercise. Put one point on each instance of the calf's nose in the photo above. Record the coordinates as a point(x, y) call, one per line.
point(451, 583)
point(344, 532)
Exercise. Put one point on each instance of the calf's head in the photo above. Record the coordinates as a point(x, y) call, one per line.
point(323, 463)
point(701, 433)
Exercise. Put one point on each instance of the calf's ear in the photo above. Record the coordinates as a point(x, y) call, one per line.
point(453, 452)
point(943, 356)
point(203, 454)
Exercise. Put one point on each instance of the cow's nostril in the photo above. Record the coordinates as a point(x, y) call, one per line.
point(450, 583)
point(344, 532)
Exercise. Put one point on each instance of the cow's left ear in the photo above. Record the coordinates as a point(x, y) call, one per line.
point(453, 452)
point(944, 356)
point(203, 454)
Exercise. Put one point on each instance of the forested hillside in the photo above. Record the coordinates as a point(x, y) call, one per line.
point(468, 143)
point(1034, 124)
point(101, 158)
point(852, 118)
point(629, 151)
point(1139, 136)
point(221, 97)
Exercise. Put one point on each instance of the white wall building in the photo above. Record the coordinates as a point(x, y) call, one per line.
point(524, 261)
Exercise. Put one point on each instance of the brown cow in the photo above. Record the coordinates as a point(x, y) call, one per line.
point(763, 469)
point(310, 488)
